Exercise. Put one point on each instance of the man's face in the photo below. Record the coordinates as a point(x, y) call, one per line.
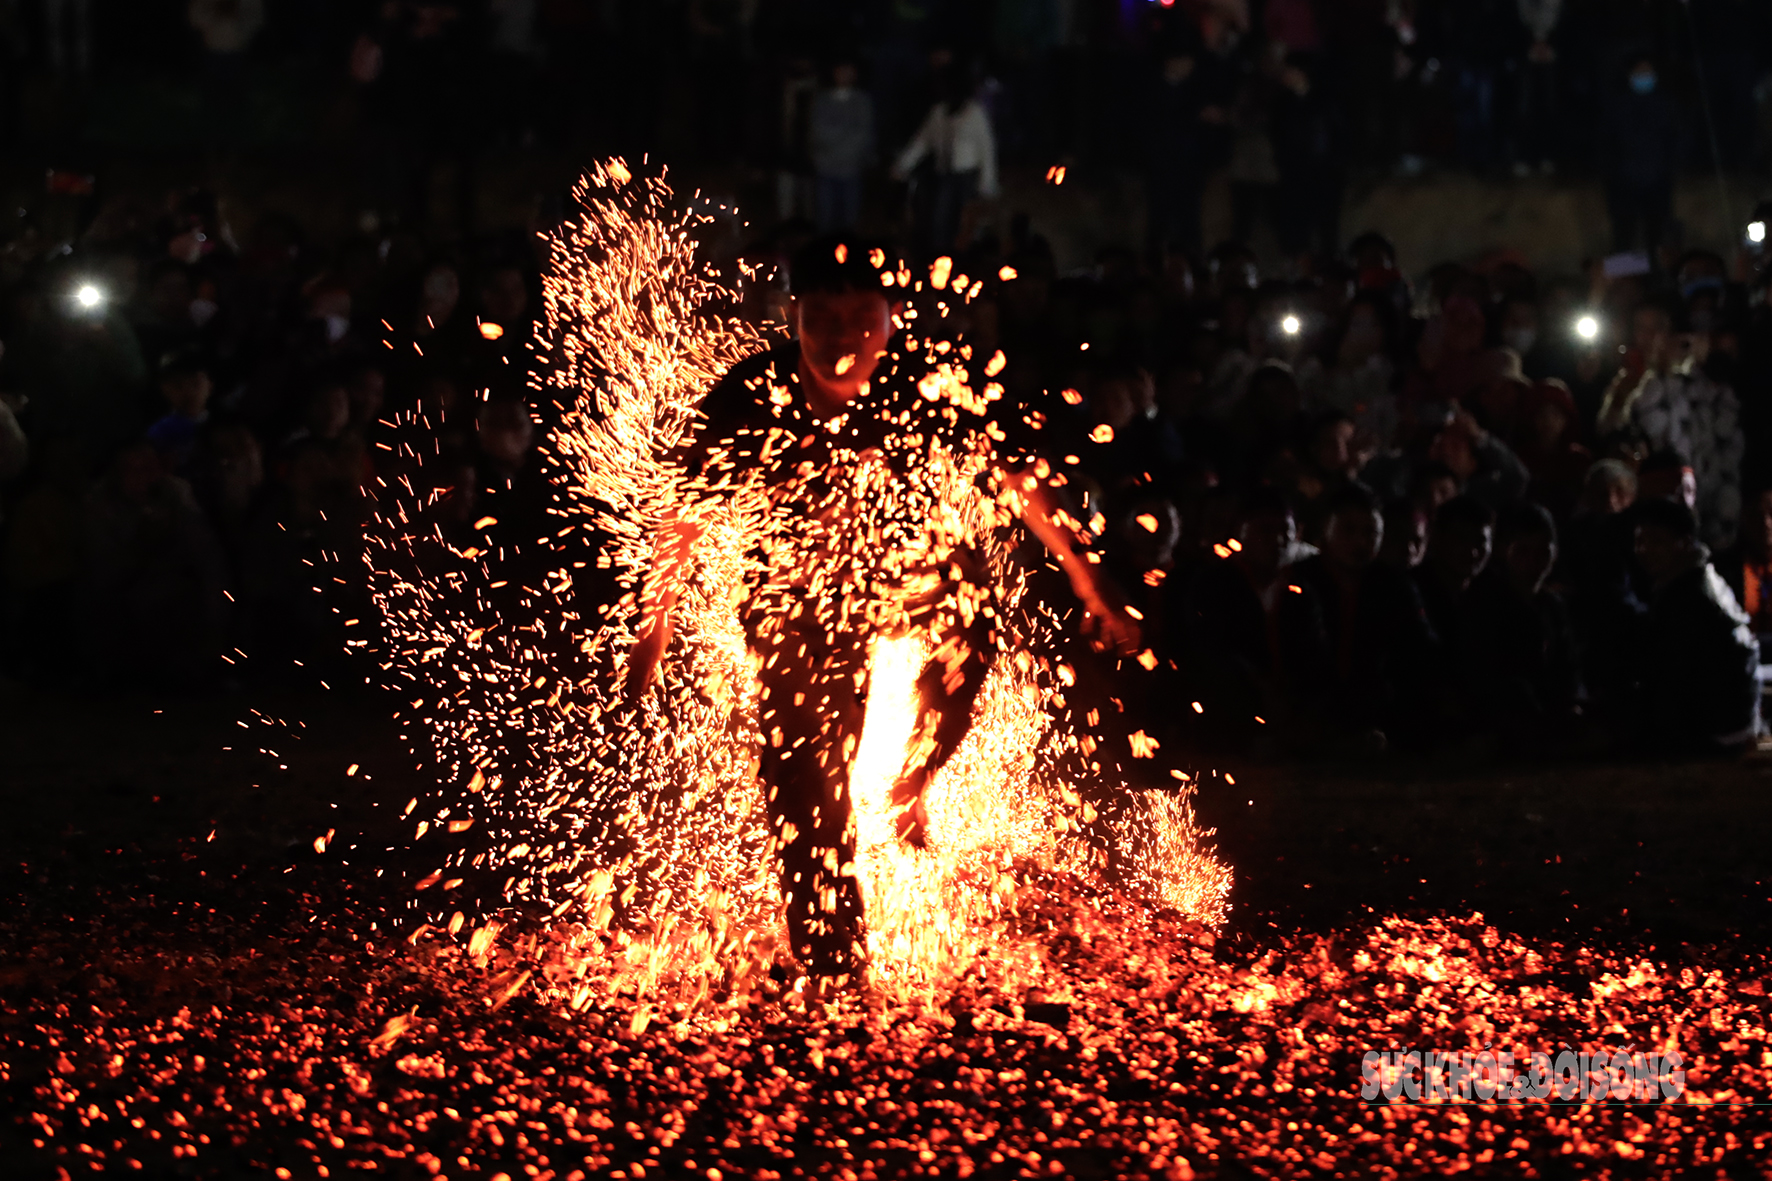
point(186, 393)
point(842, 337)
point(1115, 403)
point(1660, 552)
point(1529, 560)
point(1266, 537)
point(1335, 448)
point(1463, 551)
point(1352, 538)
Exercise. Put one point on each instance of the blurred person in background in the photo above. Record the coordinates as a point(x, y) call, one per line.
point(1698, 662)
point(951, 161)
point(1668, 402)
point(1548, 443)
point(1460, 544)
point(1253, 640)
point(1539, 142)
point(1381, 648)
point(1528, 676)
point(1747, 565)
point(841, 141)
point(1639, 152)
point(152, 578)
point(1405, 534)
point(186, 388)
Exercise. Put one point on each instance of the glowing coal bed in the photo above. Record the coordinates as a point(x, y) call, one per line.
point(297, 1044)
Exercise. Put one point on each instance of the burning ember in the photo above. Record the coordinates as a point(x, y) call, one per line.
point(305, 1050)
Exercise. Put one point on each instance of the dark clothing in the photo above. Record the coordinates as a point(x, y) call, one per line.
point(1381, 648)
point(852, 550)
point(1699, 681)
point(1528, 680)
point(1639, 156)
point(1249, 655)
point(1594, 568)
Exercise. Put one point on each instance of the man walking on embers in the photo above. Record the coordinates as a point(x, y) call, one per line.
point(835, 428)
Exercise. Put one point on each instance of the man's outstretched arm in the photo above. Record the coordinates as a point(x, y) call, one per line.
point(1106, 617)
point(672, 546)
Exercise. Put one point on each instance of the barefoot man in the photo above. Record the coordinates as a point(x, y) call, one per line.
point(835, 427)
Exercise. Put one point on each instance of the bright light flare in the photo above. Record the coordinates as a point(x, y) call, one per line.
point(89, 297)
point(1756, 232)
point(1291, 325)
point(1587, 328)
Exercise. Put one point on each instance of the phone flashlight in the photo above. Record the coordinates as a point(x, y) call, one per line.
point(1756, 232)
point(88, 297)
point(1587, 328)
point(1290, 324)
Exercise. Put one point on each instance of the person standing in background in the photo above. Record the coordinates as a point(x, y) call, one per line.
point(1639, 152)
point(1538, 107)
point(841, 138)
point(958, 150)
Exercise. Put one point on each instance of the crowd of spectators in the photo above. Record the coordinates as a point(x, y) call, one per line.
point(1476, 508)
point(1482, 512)
point(817, 100)
point(189, 424)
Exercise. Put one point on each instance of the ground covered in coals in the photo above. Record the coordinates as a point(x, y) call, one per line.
point(177, 1005)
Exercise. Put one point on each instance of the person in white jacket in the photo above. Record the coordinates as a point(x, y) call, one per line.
point(957, 143)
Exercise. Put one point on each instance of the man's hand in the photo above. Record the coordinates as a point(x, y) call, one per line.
point(1107, 623)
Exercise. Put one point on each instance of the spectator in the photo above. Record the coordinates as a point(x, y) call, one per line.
point(185, 385)
point(1380, 644)
point(1253, 643)
point(1639, 153)
point(1308, 147)
point(1330, 463)
point(153, 578)
point(1486, 469)
point(1672, 404)
point(1405, 534)
point(1549, 445)
point(957, 154)
point(1139, 447)
point(1185, 116)
point(1747, 567)
point(842, 145)
point(1540, 99)
point(1458, 548)
point(1527, 675)
point(1359, 379)
point(1699, 688)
